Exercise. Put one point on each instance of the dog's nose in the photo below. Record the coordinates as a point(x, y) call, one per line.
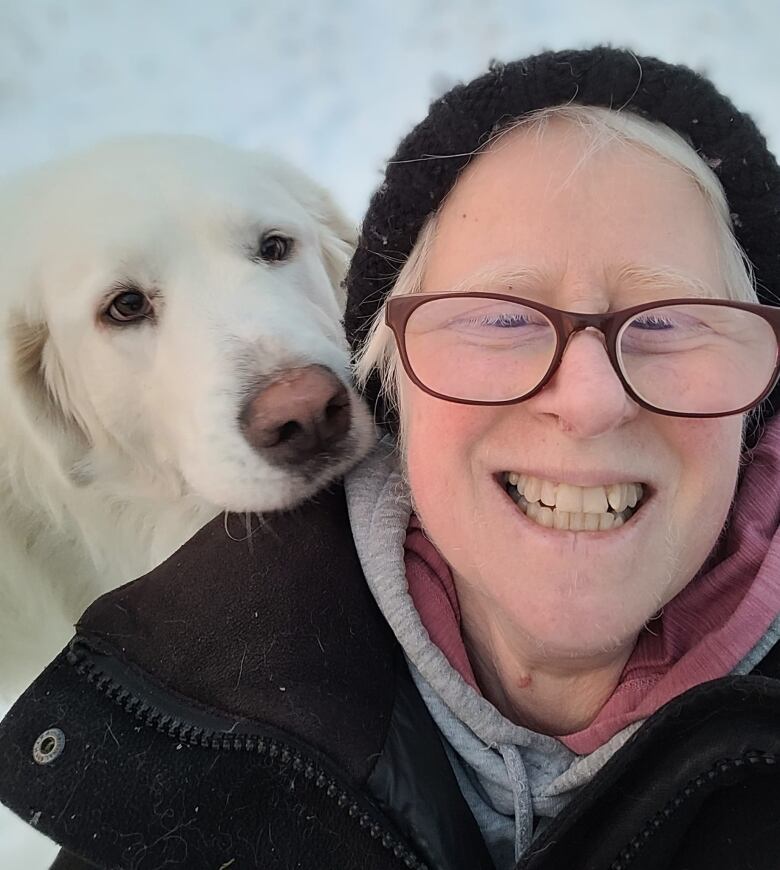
point(302, 414)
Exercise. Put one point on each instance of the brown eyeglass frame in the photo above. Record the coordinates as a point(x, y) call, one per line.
point(399, 309)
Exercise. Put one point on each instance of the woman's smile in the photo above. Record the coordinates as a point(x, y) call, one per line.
point(566, 506)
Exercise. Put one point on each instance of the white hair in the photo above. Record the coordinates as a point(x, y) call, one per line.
point(603, 127)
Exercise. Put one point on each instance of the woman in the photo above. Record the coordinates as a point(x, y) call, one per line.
point(575, 663)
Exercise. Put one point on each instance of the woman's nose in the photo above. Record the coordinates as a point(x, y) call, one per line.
point(585, 395)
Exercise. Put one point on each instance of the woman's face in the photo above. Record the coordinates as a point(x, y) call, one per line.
point(595, 233)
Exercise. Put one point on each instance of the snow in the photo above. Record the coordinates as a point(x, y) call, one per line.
point(331, 84)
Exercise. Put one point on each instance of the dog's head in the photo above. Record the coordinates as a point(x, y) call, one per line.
point(172, 313)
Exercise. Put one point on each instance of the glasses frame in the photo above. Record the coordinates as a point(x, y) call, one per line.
point(399, 309)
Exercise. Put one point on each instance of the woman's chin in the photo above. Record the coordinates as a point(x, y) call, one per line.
point(575, 593)
point(596, 630)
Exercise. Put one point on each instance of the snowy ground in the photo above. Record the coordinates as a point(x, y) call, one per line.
point(332, 84)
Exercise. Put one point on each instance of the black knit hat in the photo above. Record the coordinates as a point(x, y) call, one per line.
point(462, 120)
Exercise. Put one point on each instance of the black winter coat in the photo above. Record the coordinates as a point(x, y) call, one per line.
point(246, 706)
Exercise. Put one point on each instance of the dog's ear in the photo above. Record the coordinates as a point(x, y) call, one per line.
point(338, 239)
point(40, 384)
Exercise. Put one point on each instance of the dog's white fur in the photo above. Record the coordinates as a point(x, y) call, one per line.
point(118, 443)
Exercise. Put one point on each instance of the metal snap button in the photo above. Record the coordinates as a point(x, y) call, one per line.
point(49, 745)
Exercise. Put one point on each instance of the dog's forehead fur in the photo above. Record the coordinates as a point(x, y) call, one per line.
point(180, 179)
point(173, 172)
point(145, 208)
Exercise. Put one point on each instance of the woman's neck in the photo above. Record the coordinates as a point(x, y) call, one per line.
point(550, 694)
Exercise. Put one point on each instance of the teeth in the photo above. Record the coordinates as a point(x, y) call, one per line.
point(545, 517)
point(616, 496)
point(575, 508)
point(591, 522)
point(577, 499)
point(533, 489)
point(569, 498)
point(594, 500)
point(577, 522)
point(548, 493)
point(561, 519)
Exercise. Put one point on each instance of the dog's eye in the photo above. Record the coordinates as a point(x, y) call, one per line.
point(274, 247)
point(128, 306)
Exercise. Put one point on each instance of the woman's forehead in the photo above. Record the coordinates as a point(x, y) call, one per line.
point(548, 207)
point(563, 165)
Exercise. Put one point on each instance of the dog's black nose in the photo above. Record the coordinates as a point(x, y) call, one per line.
point(303, 414)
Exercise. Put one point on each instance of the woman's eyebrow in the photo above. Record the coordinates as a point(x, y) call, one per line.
point(502, 279)
point(531, 281)
point(653, 278)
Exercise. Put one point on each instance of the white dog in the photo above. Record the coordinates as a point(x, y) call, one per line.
point(170, 347)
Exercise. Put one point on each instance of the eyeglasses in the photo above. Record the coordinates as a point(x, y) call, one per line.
point(680, 357)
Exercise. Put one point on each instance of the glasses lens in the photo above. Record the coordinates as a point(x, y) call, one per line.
point(479, 349)
point(698, 359)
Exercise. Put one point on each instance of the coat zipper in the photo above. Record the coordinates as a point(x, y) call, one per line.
point(752, 758)
point(283, 756)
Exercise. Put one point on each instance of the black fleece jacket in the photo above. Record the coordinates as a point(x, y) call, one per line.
point(245, 705)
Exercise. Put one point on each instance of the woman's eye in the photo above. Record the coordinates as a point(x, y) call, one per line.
point(507, 321)
point(654, 322)
point(274, 247)
point(129, 306)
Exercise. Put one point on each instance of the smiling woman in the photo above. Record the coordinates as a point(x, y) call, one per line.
point(592, 589)
point(538, 627)
point(570, 357)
